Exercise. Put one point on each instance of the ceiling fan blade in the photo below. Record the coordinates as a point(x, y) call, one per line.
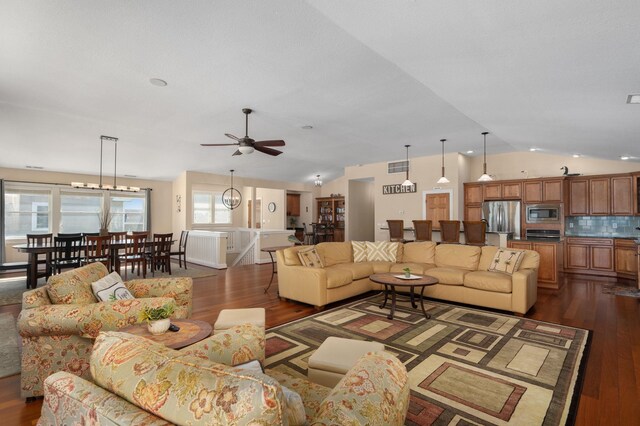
point(218, 144)
point(237, 153)
point(267, 150)
point(229, 135)
point(269, 143)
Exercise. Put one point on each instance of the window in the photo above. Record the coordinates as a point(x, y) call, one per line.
point(26, 211)
point(208, 208)
point(80, 211)
point(128, 212)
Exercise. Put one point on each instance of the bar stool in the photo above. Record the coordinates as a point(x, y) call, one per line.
point(396, 231)
point(422, 230)
point(450, 231)
point(475, 232)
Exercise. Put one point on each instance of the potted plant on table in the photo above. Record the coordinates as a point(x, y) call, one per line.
point(407, 272)
point(157, 318)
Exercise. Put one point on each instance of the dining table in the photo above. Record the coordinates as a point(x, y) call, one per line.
point(33, 250)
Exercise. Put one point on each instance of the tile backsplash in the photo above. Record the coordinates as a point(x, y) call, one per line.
point(602, 226)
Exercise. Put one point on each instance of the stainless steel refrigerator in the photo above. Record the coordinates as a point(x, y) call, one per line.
point(502, 216)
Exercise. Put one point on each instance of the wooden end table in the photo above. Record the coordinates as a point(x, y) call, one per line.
point(391, 281)
point(191, 331)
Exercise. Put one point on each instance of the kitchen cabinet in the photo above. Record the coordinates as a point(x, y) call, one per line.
point(599, 196)
point(578, 197)
point(593, 256)
point(293, 204)
point(503, 190)
point(473, 193)
point(473, 212)
point(622, 195)
point(550, 260)
point(532, 191)
point(635, 178)
point(542, 191)
point(626, 259)
point(492, 191)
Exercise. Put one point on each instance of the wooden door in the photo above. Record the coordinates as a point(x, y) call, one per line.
point(599, 196)
point(552, 190)
point(622, 195)
point(437, 208)
point(579, 197)
point(532, 191)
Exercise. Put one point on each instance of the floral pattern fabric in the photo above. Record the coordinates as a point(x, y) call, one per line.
point(59, 337)
point(234, 346)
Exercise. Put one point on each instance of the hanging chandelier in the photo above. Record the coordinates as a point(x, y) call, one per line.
point(485, 177)
point(443, 179)
point(106, 186)
point(407, 182)
point(231, 198)
point(318, 181)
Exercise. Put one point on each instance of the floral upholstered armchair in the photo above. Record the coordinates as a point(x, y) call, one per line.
point(59, 322)
point(147, 383)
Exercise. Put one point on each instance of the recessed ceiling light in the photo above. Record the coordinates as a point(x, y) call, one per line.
point(307, 127)
point(533, 149)
point(131, 176)
point(633, 99)
point(624, 157)
point(470, 151)
point(576, 155)
point(157, 82)
point(35, 167)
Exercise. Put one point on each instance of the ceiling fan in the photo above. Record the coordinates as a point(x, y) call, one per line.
point(246, 145)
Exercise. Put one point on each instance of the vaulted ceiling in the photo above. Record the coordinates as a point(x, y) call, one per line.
point(369, 75)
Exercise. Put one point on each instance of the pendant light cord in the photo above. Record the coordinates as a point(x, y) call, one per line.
point(443, 141)
point(407, 147)
point(484, 168)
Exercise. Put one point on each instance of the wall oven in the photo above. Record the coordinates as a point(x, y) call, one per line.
point(543, 213)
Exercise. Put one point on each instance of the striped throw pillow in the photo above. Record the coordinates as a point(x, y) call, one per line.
point(359, 251)
point(382, 251)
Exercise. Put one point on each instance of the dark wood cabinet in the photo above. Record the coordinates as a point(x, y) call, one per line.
point(473, 212)
point(552, 191)
point(550, 260)
point(332, 210)
point(293, 204)
point(492, 191)
point(626, 259)
point(473, 193)
point(622, 195)
point(602, 258)
point(590, 256)
point(599, 197)
point(578, 197)
point(577, 256)
point(542, 191)
point(532, 191)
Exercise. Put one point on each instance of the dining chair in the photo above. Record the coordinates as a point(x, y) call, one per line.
point(328, 232)
point(42, 240)
point(307, 239)
point(98, 249)
point(450, 231)
point(396, 231)
point(319, 233)
point(135, 254)
point(67, 252)
point(118, 236)
point(475, 232)
point(182, 249)
point(161, 253)
point(422, 230)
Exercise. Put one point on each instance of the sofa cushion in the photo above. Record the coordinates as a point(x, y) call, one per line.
point(506, 261)
point(337, 276)
point(380, 267)
point(183, 388)
point(448, 276)
point(359, 249)
point(419, 252)
point(358, 270)
point(531, 260)
point(416, 268)
point(489, 281)
point(74, 287)
point(486, 257)
point(310, 258)
point(335, 253)
point(382, 251)
point(457, 256)
point(291, 255)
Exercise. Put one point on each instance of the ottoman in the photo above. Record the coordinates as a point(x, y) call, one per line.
point(335, 356)
point(230, 317)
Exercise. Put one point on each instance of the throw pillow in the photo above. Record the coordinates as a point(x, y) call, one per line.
point(311, 258)
point(111, 288)
point(359, 251)
point(506, 261)
point(382, 251)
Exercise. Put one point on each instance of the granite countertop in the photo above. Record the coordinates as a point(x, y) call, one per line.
point(543, 240)
point(618, 237)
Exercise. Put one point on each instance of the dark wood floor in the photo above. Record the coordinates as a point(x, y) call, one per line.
point(611, 388)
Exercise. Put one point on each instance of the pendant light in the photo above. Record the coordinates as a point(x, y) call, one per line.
point(485, 177)
point(318, 181)
point(407, 182)
point(443, 179)
point(231, 198)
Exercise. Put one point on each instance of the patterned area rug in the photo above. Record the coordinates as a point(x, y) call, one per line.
point(9, 354)
point(621, 290)
point(466, 366)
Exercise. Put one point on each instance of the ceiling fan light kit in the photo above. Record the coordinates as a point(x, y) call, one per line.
point(246, 145)
point(485, 177)
point(443, 178)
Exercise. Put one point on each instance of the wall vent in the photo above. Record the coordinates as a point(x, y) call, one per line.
point(397, 166)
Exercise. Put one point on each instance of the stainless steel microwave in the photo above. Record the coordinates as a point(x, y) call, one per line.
point(543, 213)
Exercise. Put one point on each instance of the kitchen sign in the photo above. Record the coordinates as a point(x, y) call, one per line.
point(397, 189)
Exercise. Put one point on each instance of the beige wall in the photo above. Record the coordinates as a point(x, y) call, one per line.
point(360, 218)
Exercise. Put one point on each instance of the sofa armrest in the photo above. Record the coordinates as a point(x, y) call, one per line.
point(524, 290)
point(302, 283)
point(34, 298)
point(374, 391)
point(237, 345)
point(68, 399)
point(84, 320)
point(179, 288)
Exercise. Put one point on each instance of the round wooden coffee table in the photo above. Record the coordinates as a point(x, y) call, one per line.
point(391, 281)
point(191, 331)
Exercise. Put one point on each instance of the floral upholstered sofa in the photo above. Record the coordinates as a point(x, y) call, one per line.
point(465, 273)
point(59, 321)
point(147, 383)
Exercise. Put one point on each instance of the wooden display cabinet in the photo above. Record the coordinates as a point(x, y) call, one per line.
point(332, 210)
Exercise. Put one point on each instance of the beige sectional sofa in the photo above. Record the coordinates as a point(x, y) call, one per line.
point(462, 272)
